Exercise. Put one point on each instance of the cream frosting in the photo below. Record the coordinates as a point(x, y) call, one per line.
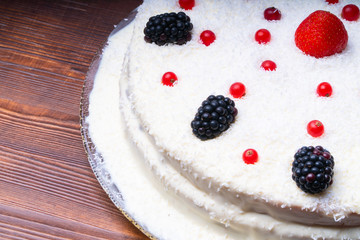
point(158, 119)
point(272, 117)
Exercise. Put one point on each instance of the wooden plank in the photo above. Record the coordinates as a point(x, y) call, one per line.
point(47, 188)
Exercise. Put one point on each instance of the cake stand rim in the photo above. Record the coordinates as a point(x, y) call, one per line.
point(93, 156)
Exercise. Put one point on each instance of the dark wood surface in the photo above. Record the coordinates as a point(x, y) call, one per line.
point(47, 188)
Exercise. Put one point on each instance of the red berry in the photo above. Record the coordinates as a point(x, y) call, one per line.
point(268, 65)
point(350, 12)
point(262, 36)
point(237, 90)
point(324, 89)
point(272, 14)
point(315, 128)
point(187, 4)
point(332, 1)
point(321, 34)
point(207, 37)
point(169, 79)
point(250, 156)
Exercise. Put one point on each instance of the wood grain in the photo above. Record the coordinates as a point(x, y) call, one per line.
point(47, 188)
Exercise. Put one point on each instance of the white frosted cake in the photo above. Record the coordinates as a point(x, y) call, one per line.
point(272, 118)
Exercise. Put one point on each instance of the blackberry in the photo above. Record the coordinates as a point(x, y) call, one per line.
point(213, 117)
point(312, 169)
point(168, 28)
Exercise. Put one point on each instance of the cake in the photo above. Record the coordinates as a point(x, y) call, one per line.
point(273, 118)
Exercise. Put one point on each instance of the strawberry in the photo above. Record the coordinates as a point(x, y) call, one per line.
point(321, 34)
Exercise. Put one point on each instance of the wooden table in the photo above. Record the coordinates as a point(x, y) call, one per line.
point(47, 188)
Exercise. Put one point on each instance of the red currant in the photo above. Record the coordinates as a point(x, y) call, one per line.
point(207, 37)
point(250, 156)
point(350, 12)
point(272, 14)
point(237, 90)
point(187, 4)
point(169, 79)
point(262, 36)
point(315, 128)
point(332, 1)
point(268, 65)
point(324, 89)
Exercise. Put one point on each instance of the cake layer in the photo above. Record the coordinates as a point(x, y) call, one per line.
point(250, 225)
point(272, 116)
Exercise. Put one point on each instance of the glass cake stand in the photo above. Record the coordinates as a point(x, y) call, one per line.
point(95, 158)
